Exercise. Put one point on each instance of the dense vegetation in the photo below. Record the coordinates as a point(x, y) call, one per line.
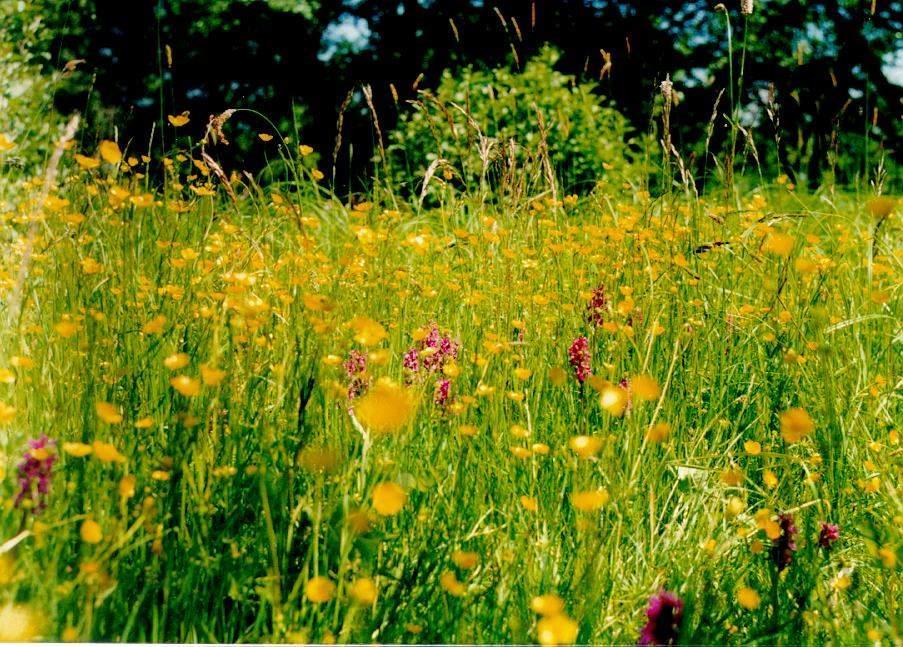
point(551, 377)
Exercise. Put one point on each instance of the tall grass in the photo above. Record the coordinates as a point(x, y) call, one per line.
point(645, 393)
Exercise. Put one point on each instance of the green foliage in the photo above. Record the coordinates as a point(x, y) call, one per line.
point(26, 95)
point(479, 122)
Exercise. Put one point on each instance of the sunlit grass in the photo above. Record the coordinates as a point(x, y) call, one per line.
point(274, 415)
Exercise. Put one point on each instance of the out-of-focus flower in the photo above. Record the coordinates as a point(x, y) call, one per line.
point(665, 615)
point(784, 545)
point(829, 533)
point(35, 473)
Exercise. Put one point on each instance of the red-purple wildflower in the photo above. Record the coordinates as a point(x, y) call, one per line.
point(830, 532)
point(35, 472)
point(665, 614)
point(443, 350)
point(578, 356)
point(784, 546)
point(595, 307)
point(356, 370)
point(442, 393)
point(411, 360)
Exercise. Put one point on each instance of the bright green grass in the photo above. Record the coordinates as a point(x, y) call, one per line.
point(734, 335)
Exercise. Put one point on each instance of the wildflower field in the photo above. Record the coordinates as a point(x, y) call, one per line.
point(235, 412)
point(546, 373)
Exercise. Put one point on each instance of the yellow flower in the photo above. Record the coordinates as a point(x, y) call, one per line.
point(211, 375)
point(6, 143)
point(748, 598)
point(19, 624)
point(66, 328)
point(388, 498)
point(796, 424)
point(154, 326)
point(557, 630)
point(658, 432)
point(367, 331)
point(547, 605)
point(585, 446)
point(363, 591)
point(530, 503)
point(387, 407)
point(779, 244)
point(888, 556)
point(107, 453)
point(590, 500)
point(127, 486)
point(78, 450)
point(108, 413)
point(176, 361)
point(319, 590)
point(110, 152)
point(645, 387)
point(185, 385)
point(178, 121)
point(7, 413)
point(450, 583)
point(557, 375)
point(317, 302)
point(614, 400)
point(465, 559)
point(7, 568)
point(752, 447)
point(91, 532)
point(265, 137)
point(87, 163)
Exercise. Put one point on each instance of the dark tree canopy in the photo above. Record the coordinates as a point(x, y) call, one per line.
point(824, 63)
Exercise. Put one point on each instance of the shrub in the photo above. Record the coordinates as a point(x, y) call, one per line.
point(478, 119)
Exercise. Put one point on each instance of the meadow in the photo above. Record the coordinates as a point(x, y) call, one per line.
point(490, 411)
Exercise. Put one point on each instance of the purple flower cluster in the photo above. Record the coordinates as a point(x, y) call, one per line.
point(356, 370)
point(35, 472)
point(665, 614)
point(578, 356)
point(595, 307)
point(784, 546)
point(442, 349)
point(430, 355)
point(830, 532)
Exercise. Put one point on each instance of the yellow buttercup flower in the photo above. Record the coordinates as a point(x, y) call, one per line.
point(388, 498)
point(387, 407)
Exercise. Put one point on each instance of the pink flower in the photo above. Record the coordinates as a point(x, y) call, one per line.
point(578, 356)
point(442, 393)
point(356, 370)
point(35, 473)
point(665, 614)
point(830, 532)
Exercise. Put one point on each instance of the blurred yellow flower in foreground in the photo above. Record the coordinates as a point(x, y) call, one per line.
point(319, 590)
point(557, 630)
point(386, 407)
point(388, 498)
point(110, 152)
point(108, 413)
point(18, 623)
point(796, 424)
